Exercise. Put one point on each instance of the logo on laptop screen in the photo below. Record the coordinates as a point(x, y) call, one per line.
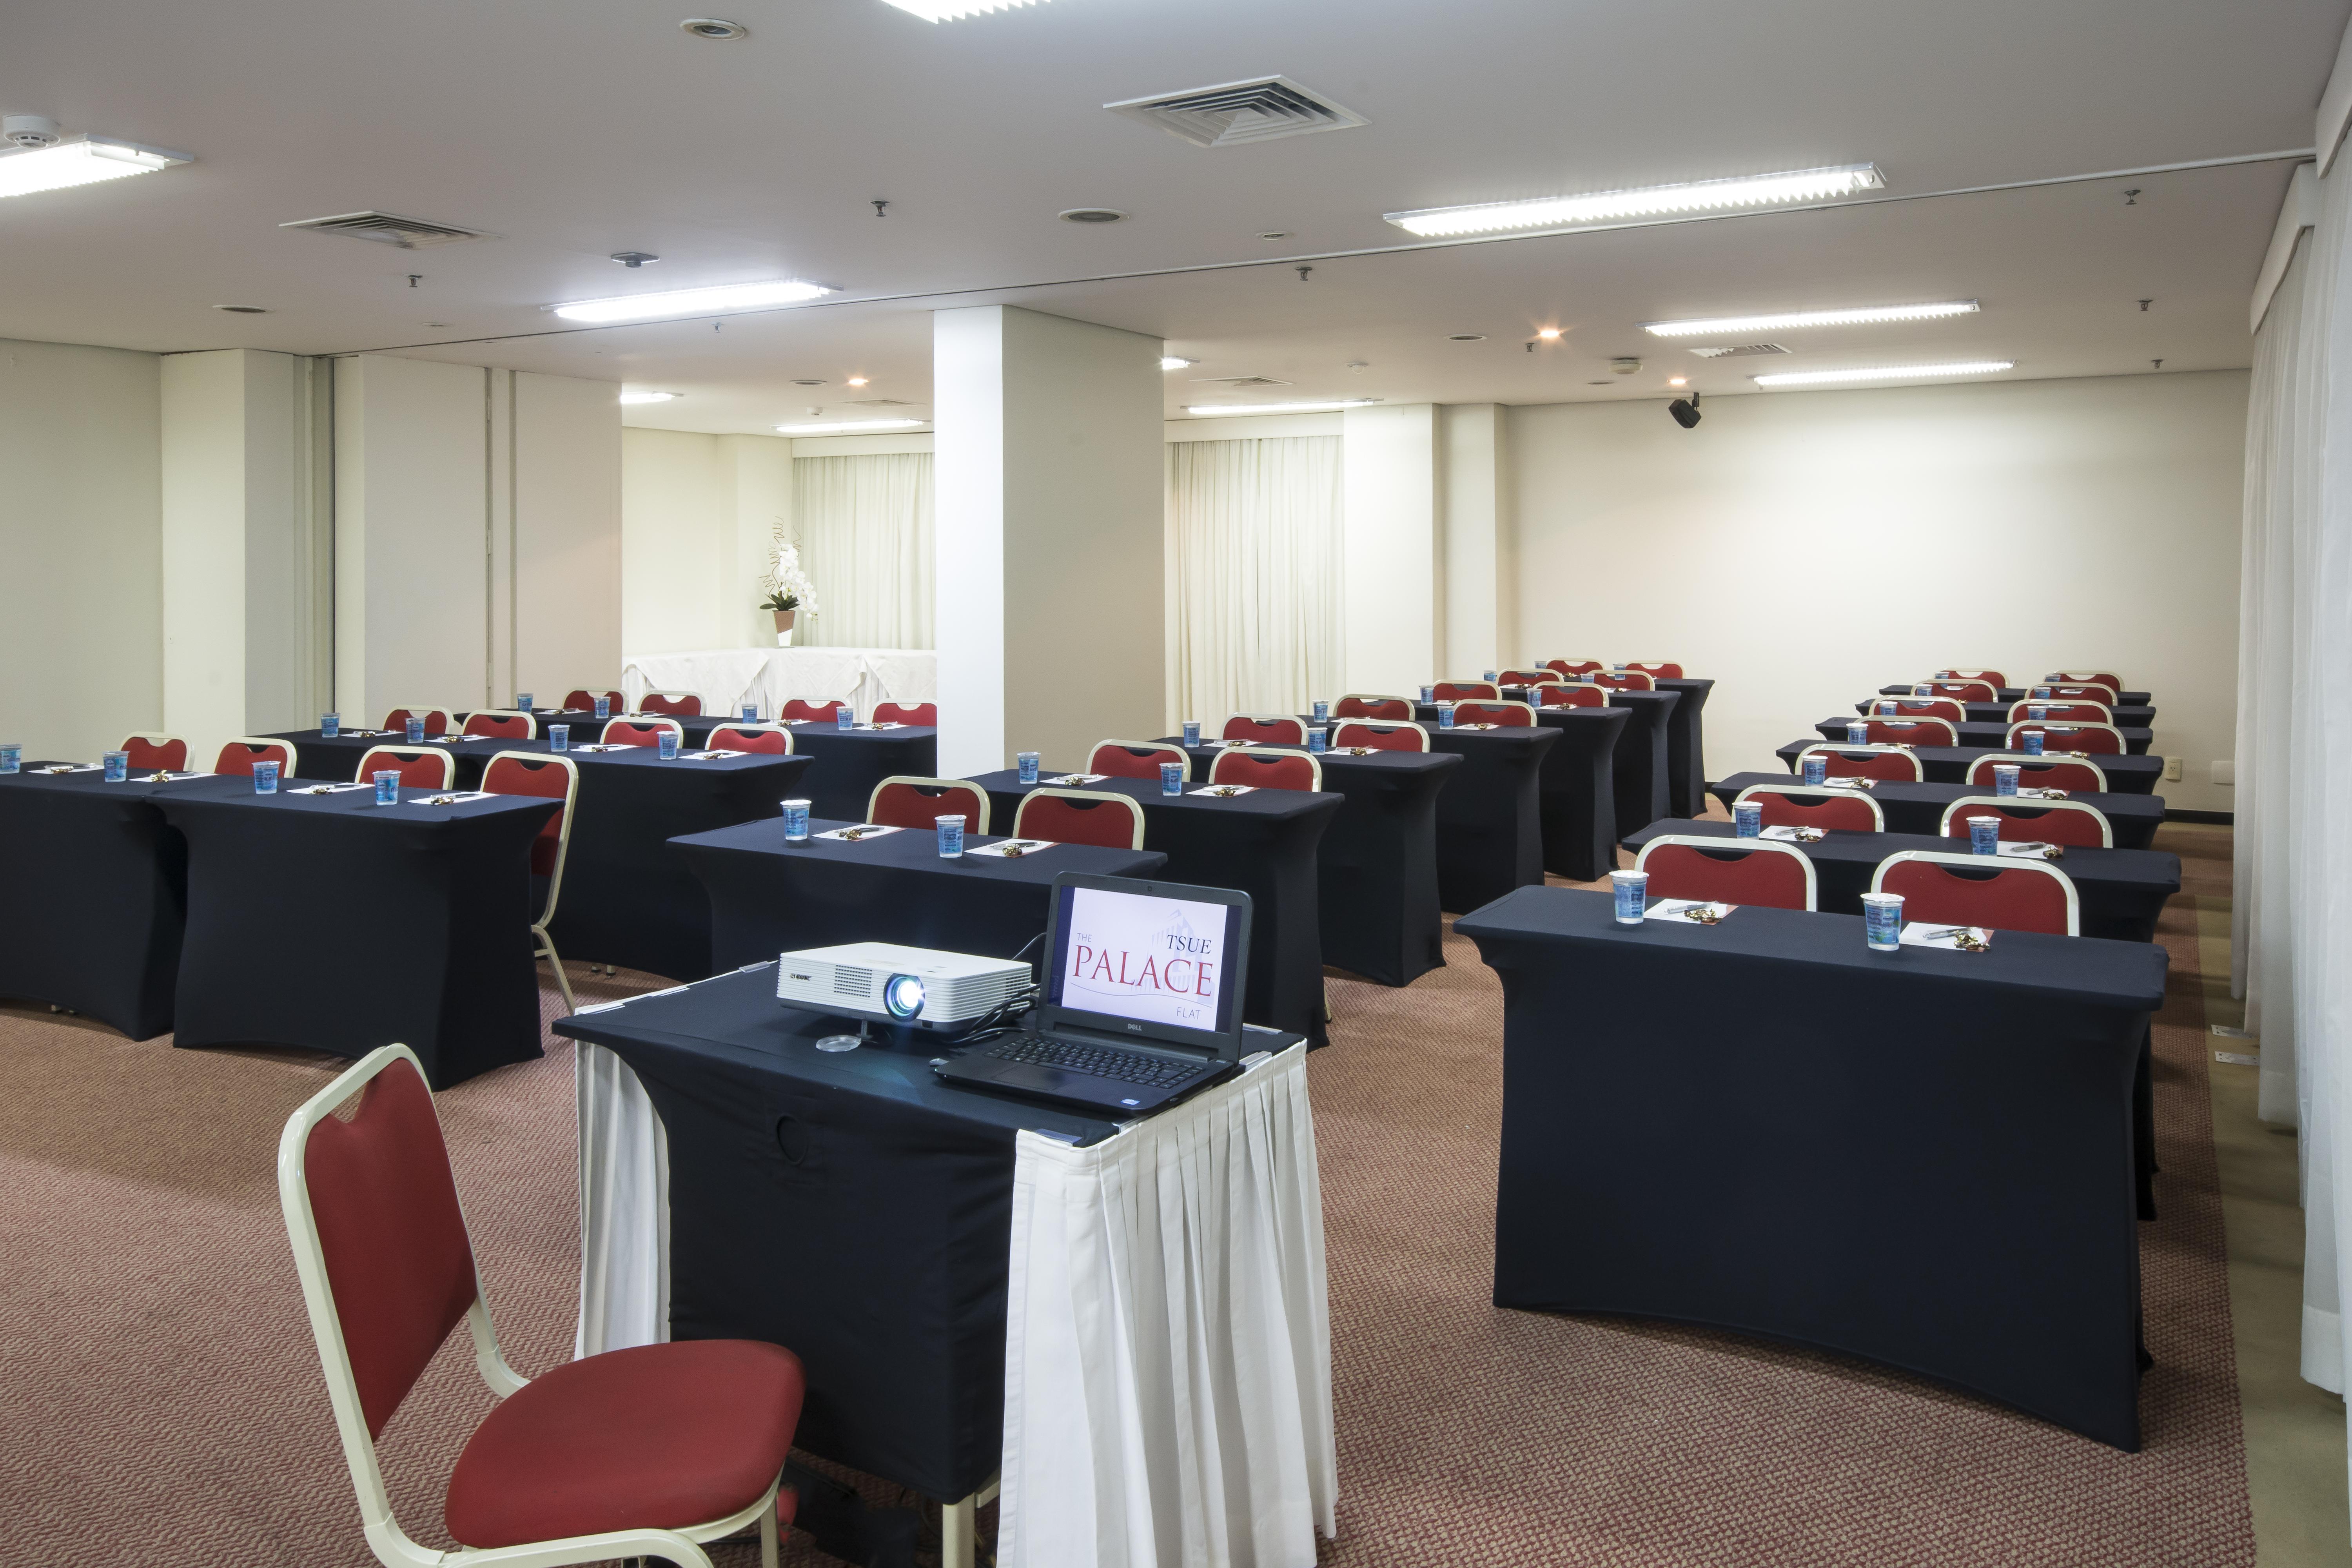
point(1158, 960)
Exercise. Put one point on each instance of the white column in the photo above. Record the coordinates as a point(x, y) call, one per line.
point(564, 509)
point(1050, 548)
point(1394, 566)
point(760, 469)
point(1479, 630)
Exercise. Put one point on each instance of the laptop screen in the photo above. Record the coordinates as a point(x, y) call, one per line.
point(1165, 962)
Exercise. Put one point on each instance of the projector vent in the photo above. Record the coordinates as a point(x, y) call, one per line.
point(385, 228)
point(1259, 110)
point(1237, 381)
point(848, 981)
point(1740, 350)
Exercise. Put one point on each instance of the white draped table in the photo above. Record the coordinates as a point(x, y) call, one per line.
point(726, 678)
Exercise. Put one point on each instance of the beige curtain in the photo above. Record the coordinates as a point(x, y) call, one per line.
point(865, 525)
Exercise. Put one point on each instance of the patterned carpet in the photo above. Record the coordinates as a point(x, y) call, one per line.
point(160, 1405)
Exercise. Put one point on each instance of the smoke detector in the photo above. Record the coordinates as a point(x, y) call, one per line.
point(1624, 366)
point(1259, 110)
point(29, 130)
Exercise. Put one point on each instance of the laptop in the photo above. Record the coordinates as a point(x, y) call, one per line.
point(1143, 998)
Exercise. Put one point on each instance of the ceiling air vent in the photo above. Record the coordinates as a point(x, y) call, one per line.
point(879, 402)
point(386, 228)
point(1259, 110)
point(1237, 381)
point(1740, 350)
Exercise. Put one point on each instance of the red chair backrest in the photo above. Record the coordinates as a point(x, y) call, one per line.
point(1734, 875)
point(1109, 820)
point(1575, 694)
point(544, 779)
point(506, 726)
point(398, 1262)
point(1528, 678)
point(2106, 695)
point(908, 803)
point(421, 767)
point(1624, 680)
point(662, 702)
point(2058, 772)
point(170, 753)
point(1993, 675)
point(1514, 714)
point(2063, 712)
point(2011, 897)
point(2057, 823)
point(1266, 769)
point(801, 708)
point(1847, 813)
point(1966, 690)
point(907, 713)
point(436, 723)
point(2097, 741)
point(1120, 762)
point(1457, 690)
point(1888, 733)
point(1273, 731)
point(621, 732)
point(1358, 708)
point(239, 757)
point(584, 700)
point(1574, 666)
point(1380, 737)
point(1658, 671)
point(1896, 767)
point(767, 742)
point(2112, 681)
point(1922, 708)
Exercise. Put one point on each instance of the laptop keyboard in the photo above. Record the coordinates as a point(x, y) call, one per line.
point(1097, 1061)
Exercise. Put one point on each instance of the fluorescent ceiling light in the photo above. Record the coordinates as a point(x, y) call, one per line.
point(948, 10)
point(1169, 361)
point(692, 301)
point(83, 161)
point(647, 397)
point(1786, 320)
point(850, 427)
point(1324, 408)
point(1885, 372)
point(1703, 196)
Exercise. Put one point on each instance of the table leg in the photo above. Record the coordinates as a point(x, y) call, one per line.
point(959, 1531)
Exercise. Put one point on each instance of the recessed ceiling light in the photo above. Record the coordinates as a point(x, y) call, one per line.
point(858, 381)
point(244, 310)
point(850, 427)
point(1599, 207)
point(948, 10)
point(693, 301)
point(1466, 337)
point(1885, 372)
point(1092, 214)
point(1548, 333)
point(80, 161)
point(808, 381)
point(716, 30)
point(1169, 361)
point(647, 397)
point(1274, 234)
point(1677, 381)
point(1781, 321)
point(1323, 407)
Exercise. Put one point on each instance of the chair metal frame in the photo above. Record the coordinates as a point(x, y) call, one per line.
point(1918, 769)
point(1984, 764)
point(1176, 748)
point(1817, 792)
point(1420, 729)
point(1979, 863)
point(2006, 803)
point(1741, 846)
point(1101, 797)
point(2019, 726)
point(1217, 767)
point(546, 943)
point(408, 753)
point(975, 823)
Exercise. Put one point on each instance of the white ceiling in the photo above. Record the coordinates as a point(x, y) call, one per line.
point(576, 128)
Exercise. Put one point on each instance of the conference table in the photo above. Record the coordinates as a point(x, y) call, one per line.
point(1376, 868)
point(846, 764)
point(972, 1280)
point(1685, 739)
point(1994, 737)
point(1925, 1159)
point(768, 896)
point(2126, 774)
point(326, 921)
point(1997, 712)
point(1264, 844)
point(1490, 813)
point(1641, 764)
point(1919, 807)
point(2121, 891)
point(1576, 806)
point(2019, 693)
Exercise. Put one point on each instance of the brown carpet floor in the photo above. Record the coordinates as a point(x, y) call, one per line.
point(161, 1403)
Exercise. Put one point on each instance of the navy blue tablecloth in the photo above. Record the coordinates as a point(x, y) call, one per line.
point(2019, 693)
point(1579, 784)
point(1924, 1159)
point(1998, 713)
point(1490, 834)
point(1919, 807)
point(1687, 746)
point(2126, 774)
point(1641, 764)
point(1994, 736)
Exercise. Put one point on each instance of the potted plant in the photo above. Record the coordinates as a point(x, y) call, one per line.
point(793, 592)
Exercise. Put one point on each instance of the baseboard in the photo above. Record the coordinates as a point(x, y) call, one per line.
point(2220, 818)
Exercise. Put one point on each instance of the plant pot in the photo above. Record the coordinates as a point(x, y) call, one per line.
point(785, 627)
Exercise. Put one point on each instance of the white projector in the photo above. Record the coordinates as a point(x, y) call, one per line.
point(915, 987)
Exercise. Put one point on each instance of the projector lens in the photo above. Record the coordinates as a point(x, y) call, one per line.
point(903, 995)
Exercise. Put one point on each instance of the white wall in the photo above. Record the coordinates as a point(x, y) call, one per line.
point(1805, 548)
point(565, 546)
point(1395, 567)
point(81, 547)
point(697, 512)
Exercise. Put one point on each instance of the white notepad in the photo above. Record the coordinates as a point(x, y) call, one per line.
point(1927, 934)
point(1671, 910)
point(857, 833)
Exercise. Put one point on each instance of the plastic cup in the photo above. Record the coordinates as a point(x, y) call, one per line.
point(1882, 921)
point(2038, 711)
point(559, 737)
point(1923, 689)
point(1027, 762)
point(2041, 691)
point(2033, 740)
point(117, 767)
point(1171, 778)
point(265, 778)
point(668, 744)
point(750, 713)
point(331, 725)
point(1488, 675)
point(603, 707)
point(844, 716)
point(951, 836)
point(12, 758)
point(1191, 732)
point(1322, 711)
point(1887, 710)
point(1319, 738)
point(1633, 892)
point(522, 701)
point(1445, 717)
point(387, 786)
point(1428, 694)
point(2004, 778)
point(797, 816)
point(1817, 768)
point(1984, 835)
point(416, 731)
point(1857, 734)
point(1746, 818)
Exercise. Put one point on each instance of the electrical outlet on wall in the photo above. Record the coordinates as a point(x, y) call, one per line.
point(2172, 770)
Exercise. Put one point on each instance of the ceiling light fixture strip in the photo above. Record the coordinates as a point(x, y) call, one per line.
point(1600, 207)
point(1885, 372)
point(1326, 406)
point(714, 300)
point(1786, 321)
point(82, 161)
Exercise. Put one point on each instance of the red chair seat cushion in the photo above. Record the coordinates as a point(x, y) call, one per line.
point(660, 1436)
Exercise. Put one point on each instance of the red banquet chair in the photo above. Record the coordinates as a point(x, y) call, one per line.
point(582, 700)
point(1109, 820)
point(1269, 768)
point(1968, 891)
point(2057, 712)
point(152, 752)
point(1528, 678)
point(641, 732)
point(2100, 740)
point(2084, 678)
point(1889, 763)
point(239, 755)
point(419, 767)
point(2107, 696)
point(2070, 822)
point(544, 777)
point(643, 1452)
point(1137, 759)
point(1964, 691)
point(1918, 707)
point(1272, 728)
point(1654, 670)
point(1510, 715)
point(436, 720)
point(1912, 732)
point(1572, 694)
point(1403, 737)
point(767, 739)
point(1991, 676)
point(1464, 690)
point(1572, 667)
point(924, 713)
point(1800, 805)
point(802, 710)
point(1365, 705)
point(684, 702)
point(2041, 773)
point(1623, 679)
point(1736, 870)
point(904, 801)
point(504, 726)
